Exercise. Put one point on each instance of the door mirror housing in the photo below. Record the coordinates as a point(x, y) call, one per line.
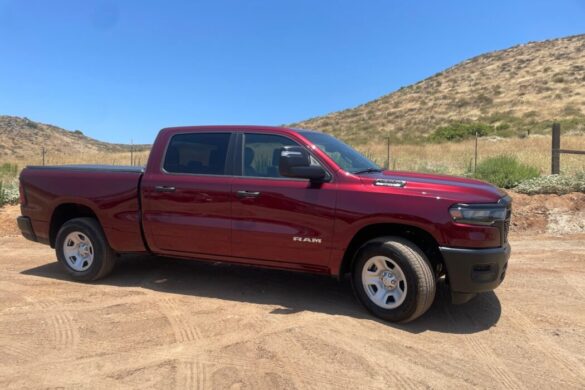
point(295, 162)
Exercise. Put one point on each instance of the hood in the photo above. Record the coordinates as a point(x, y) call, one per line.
point(458, 189)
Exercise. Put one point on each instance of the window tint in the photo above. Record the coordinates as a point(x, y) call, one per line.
point(262, 154)
point(199, 153)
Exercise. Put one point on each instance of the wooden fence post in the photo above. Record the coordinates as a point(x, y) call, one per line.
point(388, 153)
point(555, 149)
point(475, 161)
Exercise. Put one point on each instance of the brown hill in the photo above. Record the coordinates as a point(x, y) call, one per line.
point(21, 139)
point(513, 91)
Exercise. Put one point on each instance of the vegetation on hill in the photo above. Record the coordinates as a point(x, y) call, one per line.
point(22, 139)
point(517, 91)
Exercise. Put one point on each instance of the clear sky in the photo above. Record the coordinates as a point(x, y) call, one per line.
point(124, 69)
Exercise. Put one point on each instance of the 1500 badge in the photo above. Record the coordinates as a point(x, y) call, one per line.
point(307, 239)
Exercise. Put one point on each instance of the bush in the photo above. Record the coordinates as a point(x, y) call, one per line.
point(504, 171)
point(9, 193)
point(460, 131)
point(552, 184)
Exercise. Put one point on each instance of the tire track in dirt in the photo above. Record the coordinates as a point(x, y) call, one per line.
point(407, 359)
point(184, 375)
point(570, 366)
point(184, 331)
point(20, 351)
point(191, 374)
point(64, 333)
point(318, 380)
point(483, 351)
point(576, 283)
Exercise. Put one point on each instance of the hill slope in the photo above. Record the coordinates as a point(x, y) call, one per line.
point(21, 139)
point(514, 90)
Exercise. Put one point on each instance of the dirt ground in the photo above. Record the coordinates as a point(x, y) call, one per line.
point(165, 323)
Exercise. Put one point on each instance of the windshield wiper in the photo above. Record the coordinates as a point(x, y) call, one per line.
point(367, 170)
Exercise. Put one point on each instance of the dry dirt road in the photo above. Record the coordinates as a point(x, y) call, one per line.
point(164, 323)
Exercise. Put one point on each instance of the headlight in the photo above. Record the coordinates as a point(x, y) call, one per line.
point(477, 214)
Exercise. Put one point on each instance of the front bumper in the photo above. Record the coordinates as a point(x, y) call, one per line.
point(471, 271)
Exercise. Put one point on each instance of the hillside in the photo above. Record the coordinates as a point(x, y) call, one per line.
point(21, 139)
point(514, 91)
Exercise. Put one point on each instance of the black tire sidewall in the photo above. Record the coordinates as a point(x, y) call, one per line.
point(100, 248)
point(408, 307)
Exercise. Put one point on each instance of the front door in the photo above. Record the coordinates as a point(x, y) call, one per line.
point(276, 218)
point(186, 206)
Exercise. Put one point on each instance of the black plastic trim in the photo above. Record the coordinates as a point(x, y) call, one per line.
point(471, 271)
point(26, 228)
point(92, 168)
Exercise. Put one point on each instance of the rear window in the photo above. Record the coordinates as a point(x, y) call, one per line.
point(197, 153)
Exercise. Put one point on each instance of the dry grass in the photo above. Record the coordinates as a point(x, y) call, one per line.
point(117, 158)
point(451, 158)
point(457, 157)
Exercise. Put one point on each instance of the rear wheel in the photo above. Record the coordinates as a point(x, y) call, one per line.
point(393, 279)
point(83, 251)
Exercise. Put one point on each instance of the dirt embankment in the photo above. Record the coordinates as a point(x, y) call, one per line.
point(552, 214)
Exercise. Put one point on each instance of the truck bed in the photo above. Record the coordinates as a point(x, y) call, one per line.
point(108, 192)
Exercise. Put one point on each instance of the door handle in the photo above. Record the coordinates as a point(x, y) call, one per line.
point(247, 194)
point(164, 189)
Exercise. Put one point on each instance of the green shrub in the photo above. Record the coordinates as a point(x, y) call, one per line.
point(552, 184)
point(460, 131)
point(9, 193)
point(504, 171)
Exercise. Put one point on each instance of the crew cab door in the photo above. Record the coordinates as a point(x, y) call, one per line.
point(186, 202)
point(275, 218)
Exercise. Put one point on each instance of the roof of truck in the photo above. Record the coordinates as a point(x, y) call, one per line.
point(240, 128)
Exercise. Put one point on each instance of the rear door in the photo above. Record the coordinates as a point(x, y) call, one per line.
point(186, 203)
point(277, 218)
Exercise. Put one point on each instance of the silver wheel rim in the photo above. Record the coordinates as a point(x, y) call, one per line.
point(384, 282)
point(78, 251)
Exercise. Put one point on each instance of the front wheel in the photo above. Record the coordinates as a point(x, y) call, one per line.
point(393, 279)
point(83, 251)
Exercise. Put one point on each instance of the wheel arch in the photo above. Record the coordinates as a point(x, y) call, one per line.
point(66, 212)
point(420, 237)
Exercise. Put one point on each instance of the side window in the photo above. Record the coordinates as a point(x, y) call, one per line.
point(262, 154)
point(197, 153)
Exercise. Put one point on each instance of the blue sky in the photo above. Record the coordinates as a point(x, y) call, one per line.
point(124, 69)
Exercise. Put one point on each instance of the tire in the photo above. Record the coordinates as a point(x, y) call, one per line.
point(83, 251)
point(393, 279)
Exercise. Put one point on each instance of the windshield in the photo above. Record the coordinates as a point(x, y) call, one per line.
point(345, 156)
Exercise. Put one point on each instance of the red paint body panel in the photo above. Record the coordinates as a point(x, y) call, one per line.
point(204, 218)
point(264, 227)
point(196, 218)
point(112, 196)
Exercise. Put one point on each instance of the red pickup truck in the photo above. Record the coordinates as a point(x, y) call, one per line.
point(276, 197)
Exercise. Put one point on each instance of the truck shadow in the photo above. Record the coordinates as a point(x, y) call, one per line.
point(293, 292)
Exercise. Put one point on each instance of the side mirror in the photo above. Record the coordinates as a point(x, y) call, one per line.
point(295, 161)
